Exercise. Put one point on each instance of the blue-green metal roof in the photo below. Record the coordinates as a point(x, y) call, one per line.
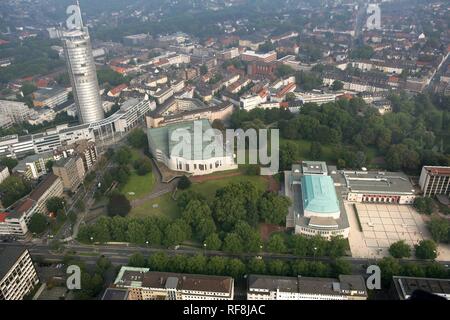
point(319, 194)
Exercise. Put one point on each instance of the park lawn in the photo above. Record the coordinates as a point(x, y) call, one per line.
point(329, 155)
point(208, 188)
point(166, 207)
point(140, 185)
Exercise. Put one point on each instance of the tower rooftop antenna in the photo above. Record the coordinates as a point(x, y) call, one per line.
point(81, 15)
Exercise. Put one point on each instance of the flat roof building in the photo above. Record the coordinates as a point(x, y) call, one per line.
point(378, 187)
point(435, 180)
point(143, 284)
point(18, 276)
point(347, 287)
point(404, 287)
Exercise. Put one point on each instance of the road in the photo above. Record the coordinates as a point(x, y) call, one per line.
point(119, 254)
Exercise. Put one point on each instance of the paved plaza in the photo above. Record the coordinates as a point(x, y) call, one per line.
point(382, 225)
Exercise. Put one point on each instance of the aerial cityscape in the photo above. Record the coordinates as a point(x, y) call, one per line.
point(249, 150)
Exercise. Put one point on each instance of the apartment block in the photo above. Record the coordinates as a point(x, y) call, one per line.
point(143, 284)
point(18, 276)
point(435, 181)
point(4, 173)
point(71, 171)
point(347, 287)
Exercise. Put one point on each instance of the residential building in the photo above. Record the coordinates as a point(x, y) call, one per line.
point(143, 284)
point(17, 112)
point(192, 158)
point(181, 110)
point(71, 171)
point(312, 97)
point(250, 56)
point(316, 208)
point(404, 287)
point(50, 97)
point(15, 219)
point(162, 95)
point(34, 166)
point(18, 276)
point(347, 287)
point(4, 173)
point(50, 187)
point(83, 148)
point(435, 180)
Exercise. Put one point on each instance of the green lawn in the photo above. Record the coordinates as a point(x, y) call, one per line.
point(140, 185)
point(166, 206)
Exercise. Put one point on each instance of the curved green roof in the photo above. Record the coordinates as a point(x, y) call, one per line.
point(319, 194)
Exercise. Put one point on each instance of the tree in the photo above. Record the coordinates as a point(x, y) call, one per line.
point(439, 229)
point(232, 243)
point(196, 264)
point(217, 265)
point(12, 189)
point(299, 245)
point(284, 70)
point(336, 247)
point(273, 208)
point(143, 166)
point(315, 150)
point(55, 204)
point(158, 261)
point(389, 267)
point(137, 260)
point(218, 124)
point(213, 242)
point(138, 139)
point(337, 85)
point(198, 215)
point(184, 183)
point(341, 266)
point(136, 232)
point(118, 205)
point(426, 249)
point(256, 266)
point(277, 267)
point(276, 244)
point(288, 154)
point(203, 70)
point(38, 223)
point(8, 162)
point(176, 233)
point(235, 268)
point(400, 250)
point(423, 205)
point(123, 156)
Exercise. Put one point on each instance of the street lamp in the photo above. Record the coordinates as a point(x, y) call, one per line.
point(92, 239)
point(315, 249)
point(204, 248)
point(146, 242)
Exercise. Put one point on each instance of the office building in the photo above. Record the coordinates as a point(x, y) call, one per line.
point(435, 181)
point(143, 284)
point(251, 56)
point(404, 287)
point(50, 97)
point(16, 112)
point(4, 173)
point(82, 74)
point(347, 287)
point(316, 208)
point(192, 158)
point(34, 166)
point(71, 171)
point(18, 276)
point(50, 187)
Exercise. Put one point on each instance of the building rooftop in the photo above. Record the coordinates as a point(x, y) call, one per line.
point(142, 277)
point(115, 294)
point(9, 256)
point(405, 286)
point(378, 182)
point(314, 167)
point(272, 283)
point(37, 193)
point(438, 170)
point(319, 194)
point(184, 131)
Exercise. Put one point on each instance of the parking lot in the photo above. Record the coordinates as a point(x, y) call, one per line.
point(382, 225)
